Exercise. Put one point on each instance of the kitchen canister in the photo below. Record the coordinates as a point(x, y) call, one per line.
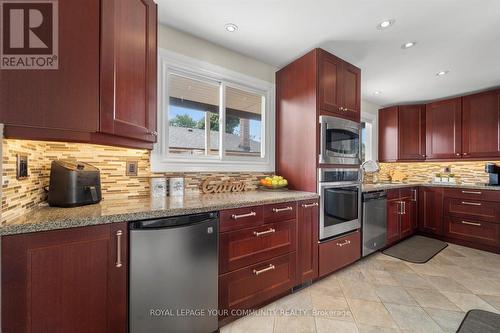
point(176, 187)
point(158, 187)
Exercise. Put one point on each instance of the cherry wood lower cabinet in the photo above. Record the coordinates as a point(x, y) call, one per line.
point(72, 280)
point(307, 250)
point(339, 252)
point(430, 206)
point(401, 213)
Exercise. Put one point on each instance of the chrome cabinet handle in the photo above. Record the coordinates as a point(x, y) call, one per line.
point(277, 210)
point(472, 192)
point(270, 231)
point(269, 268)
point(310, 205)
point(457, 154)
point(465, 154)
point(404, 207)
point(347, 242)
point(155, 133)
point(471, 203)
point(471, 223)
point(415, 195)
point(400, 209)
point(235, 217)
point(119, 234)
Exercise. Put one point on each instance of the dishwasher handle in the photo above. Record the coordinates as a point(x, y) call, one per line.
point(173, 222)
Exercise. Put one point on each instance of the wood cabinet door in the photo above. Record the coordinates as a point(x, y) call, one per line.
point(65, 280)
point(430, 210)
point(411, 132)
point(330, 88)
point(406, 219)
point(351, 96)
point(388, 130)
point(128, 69)
point(307, 253)
point(66, 98)
point(393, 216)
point(444, 129)
point(481, 125)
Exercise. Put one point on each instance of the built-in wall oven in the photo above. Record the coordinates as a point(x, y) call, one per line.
point(340, 196)
point(339, 141)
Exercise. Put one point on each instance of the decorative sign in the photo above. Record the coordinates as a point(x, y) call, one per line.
point(211, 186)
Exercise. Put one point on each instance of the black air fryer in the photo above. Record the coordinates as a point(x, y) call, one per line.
point(73, 184)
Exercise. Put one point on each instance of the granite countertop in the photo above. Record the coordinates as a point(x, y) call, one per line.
point(387, 186)
point(111, 211)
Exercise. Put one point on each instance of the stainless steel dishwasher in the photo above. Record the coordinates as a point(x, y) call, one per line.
point(174, 274)
point(374, 228)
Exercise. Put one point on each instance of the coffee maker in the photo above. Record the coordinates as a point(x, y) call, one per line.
point(494, 172)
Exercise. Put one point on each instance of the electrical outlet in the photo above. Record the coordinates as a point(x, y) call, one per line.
point(447, 169)
point(22, 166)
point(131, 168)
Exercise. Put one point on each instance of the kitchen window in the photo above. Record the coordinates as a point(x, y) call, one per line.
point(212, 120)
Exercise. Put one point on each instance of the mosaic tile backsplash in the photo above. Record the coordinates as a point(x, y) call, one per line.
point(19, 196)
point(423, 172)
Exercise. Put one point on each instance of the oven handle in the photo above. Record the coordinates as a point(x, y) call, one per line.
point(322, 186)
point(322, 138)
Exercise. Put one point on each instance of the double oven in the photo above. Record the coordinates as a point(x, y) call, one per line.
point(339, 181)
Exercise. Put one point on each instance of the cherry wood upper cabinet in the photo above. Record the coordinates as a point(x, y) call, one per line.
point(128, 67)
point(64, 98)
point(339, 86)
point(444, 129)
point(481, 125)
point(72, 280)
point(402, 133)
point(330, 90)
point(411, 138)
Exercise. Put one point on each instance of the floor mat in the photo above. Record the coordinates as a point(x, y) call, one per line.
point(417, 249)
point(480, 321)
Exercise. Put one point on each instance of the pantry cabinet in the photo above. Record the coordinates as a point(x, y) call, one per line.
point(104, 90)
point(72, 280)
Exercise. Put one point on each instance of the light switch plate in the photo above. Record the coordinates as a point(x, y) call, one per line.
point(131, 168)
point(22, 166)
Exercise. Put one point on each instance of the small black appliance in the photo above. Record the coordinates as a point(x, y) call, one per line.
point(73, 184)
point(494, 172)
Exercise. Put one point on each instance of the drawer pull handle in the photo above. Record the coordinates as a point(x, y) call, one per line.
point(119, 234)
point(270, 231)
point(235, 217)
point(347, 242)
point(269, 268)
point(310, 205)
point(471, 203)
point(472, 192)
point(471, 223)
point(277, 210)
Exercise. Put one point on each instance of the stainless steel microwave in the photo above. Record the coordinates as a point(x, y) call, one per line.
point(339, 141)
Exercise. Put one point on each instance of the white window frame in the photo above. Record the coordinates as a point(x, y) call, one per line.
point(161, 161)
point(371, 141)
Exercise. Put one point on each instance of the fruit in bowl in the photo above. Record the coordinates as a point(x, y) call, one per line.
point(274, 182)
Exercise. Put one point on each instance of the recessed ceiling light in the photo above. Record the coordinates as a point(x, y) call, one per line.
point(231, 27)
point(441, 73)
point(407, 45)
point(386, 24)
point(377, 92)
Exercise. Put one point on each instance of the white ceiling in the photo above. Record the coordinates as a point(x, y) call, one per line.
point(462, 36)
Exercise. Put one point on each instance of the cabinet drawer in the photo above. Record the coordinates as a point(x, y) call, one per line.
point(238, 218)
point(473, 230)
point(339, 252)
point(280, 212)
point(475, 209)
point(251, 286)
point(244, 247)
point(472, 194)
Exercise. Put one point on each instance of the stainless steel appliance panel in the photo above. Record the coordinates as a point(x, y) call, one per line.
point(173, 269)
point(374, 230)
point(339, 141)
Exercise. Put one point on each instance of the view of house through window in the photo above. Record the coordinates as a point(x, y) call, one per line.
point(194, 120)
point(366, 141)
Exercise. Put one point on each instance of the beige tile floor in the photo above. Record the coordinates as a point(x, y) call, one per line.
point(385, 294)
